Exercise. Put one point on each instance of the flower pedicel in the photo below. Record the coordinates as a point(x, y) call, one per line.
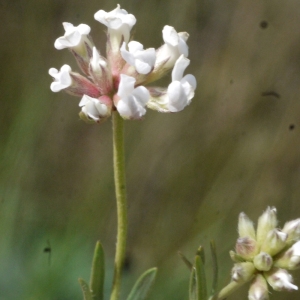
point(117, 81)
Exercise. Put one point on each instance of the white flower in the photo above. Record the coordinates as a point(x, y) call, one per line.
point(130, 101)
point(74, 36)
point(62, 78)
point(93, 108)
point(175, 45)
point(280, 280)
point(142, 60)
point(179, 92)
point(118, 21)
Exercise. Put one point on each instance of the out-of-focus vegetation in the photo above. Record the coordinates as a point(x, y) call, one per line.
point(235, 148)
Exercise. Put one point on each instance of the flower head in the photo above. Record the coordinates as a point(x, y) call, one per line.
point(116, 82)
point(270, 253)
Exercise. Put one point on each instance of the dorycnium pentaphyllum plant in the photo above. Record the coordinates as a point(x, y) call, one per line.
point(117, 85)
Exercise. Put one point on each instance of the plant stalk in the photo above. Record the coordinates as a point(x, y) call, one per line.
point(120, 188)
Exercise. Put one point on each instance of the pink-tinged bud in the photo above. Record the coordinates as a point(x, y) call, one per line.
point(263, 261)
point(258, 289)
point(266, 222)
point(280, 280)
point(245, 226)
point(275, 241)
point(242, 272)
point(246, 247)
point(292, 228)
point(100, 73)
point(290, 259)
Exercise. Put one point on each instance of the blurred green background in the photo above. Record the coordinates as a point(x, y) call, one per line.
point(235, 148)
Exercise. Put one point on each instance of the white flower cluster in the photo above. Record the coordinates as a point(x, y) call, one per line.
point(265, 256)
point(117, 81)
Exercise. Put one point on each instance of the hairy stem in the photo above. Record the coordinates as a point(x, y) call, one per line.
point(120, 188)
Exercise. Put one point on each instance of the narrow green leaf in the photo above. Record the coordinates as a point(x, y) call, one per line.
point(87, 295)
point(193, 291)
point(142, 286)
point(186, 261)
point(214, 267)
point(200, 252)
point(198, 281)
point(98, 273)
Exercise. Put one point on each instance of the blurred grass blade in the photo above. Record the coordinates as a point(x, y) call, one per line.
point(87, 295)
point(214, 267)
point(142, 286)
point(98, 273)
point(186, 261)
point(200, 252)
point(198, 281)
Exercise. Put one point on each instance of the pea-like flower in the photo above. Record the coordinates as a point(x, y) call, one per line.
point(72, 83)
point(265, 256)
point(130, 101)
point(95, 109)
point(136, 56)
point(179, 92)
point(118, 80)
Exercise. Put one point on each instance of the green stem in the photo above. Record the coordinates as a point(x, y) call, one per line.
point(120, 187)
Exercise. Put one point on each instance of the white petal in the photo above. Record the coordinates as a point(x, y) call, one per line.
point(179, 68)
point(134, 46)
point(190, 79)
point(126, 85)
point(127, 56)
point(72, 37)
point(62, 78)
point(142, 67)
point(142, 95)
point(177, 98)
point(183, 47)
point(170, 36)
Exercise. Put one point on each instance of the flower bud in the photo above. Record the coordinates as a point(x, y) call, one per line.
point(242, 272)
point(258, 289)
point(280, 280)
point(235, 257)
point(266, 222)
point(246, 247)
point(100, 73)
point(274, 242)
point(263, 261)
point(245, 226)
point(290, 259)
point(292, 228)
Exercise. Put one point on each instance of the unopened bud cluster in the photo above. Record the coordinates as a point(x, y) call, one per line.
point(117, 81)
point(266, 255)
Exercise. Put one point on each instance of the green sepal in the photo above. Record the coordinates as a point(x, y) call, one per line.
point(87, 294)
point(214, 267)
point(142, 286)
point(97, 273)
point(198, 281)
point(185, 260)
